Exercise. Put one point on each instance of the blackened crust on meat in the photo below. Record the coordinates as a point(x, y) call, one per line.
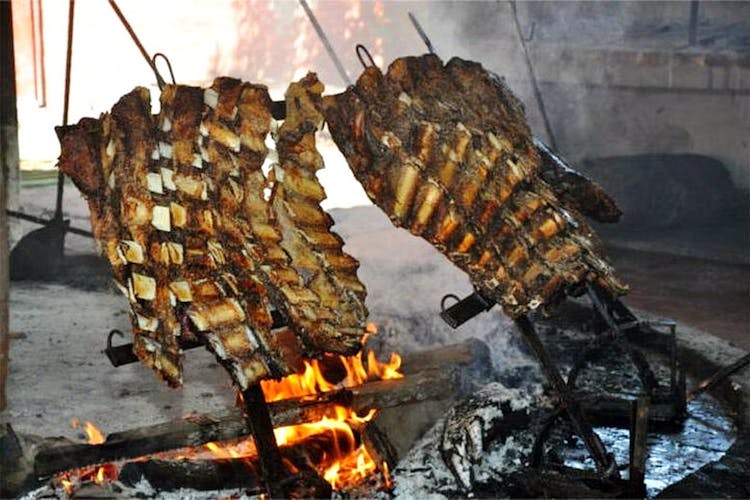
point(79, 157)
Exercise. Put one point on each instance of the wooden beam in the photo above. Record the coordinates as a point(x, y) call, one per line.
point(8, 165)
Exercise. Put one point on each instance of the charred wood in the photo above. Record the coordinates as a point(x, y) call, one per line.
point(222, 473)
point(258, 420)
point(218, 474)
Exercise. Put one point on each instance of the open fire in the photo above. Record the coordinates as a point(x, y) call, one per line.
point(333, 443)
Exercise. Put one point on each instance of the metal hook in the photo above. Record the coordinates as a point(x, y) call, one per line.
point(445, 298)
point(112, 333)
point(159, 78)
point(361, 49)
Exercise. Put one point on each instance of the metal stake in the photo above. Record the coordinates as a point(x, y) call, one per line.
point(638, 432)
point(605, 465)
point(532, 77)
point(259, 420)
point(326, 43)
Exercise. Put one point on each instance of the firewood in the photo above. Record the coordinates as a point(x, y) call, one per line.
point(217, 474)
point(237, 472)
point(434, 375)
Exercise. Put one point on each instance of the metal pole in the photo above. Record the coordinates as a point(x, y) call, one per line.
point(326, 43)
point(421, 33)
point(66, 101)
point(532, 77)
point(604, 463)
point(8, 163)
point(719, 376)
point(159, 80)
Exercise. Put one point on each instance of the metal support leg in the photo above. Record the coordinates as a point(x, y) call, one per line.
point(259, 420)
point(605, 465)
point(605, 305)
point(638, 451)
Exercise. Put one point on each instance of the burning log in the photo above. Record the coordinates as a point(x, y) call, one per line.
point(218, 474)
point(215, 474)
point(431, 375)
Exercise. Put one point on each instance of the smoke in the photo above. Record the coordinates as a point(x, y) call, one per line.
point(617, 78)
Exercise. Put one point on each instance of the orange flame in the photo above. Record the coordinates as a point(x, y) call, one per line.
point(345, 461)
point(94, 435)
point(98, 474)
point(313, 381)
point(68, 486)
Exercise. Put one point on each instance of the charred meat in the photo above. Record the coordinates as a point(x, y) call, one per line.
point(178, 208)
point(316, 251)
point(446, 152)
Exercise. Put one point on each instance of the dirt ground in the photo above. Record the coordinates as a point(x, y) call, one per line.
point(58, 371)
point(708, 295)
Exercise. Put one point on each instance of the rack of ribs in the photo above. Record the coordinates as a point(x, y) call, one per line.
point(178, 208)
point(446, 152)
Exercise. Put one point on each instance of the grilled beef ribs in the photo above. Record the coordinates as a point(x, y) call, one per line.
point(178, 208)
point(446, 152)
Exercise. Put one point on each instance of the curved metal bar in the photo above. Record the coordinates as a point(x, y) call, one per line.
point(445, 298)
point(159, 78)
point(536, 458)
point(111, 334)
point(362, 51)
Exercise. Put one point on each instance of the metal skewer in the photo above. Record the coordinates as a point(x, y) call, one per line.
point(326, 43)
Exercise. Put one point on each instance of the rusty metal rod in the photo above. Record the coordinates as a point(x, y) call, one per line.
point(326, 43)
point(66, 106)
point(718, 377)
point(159, 80)
point(44, 222)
